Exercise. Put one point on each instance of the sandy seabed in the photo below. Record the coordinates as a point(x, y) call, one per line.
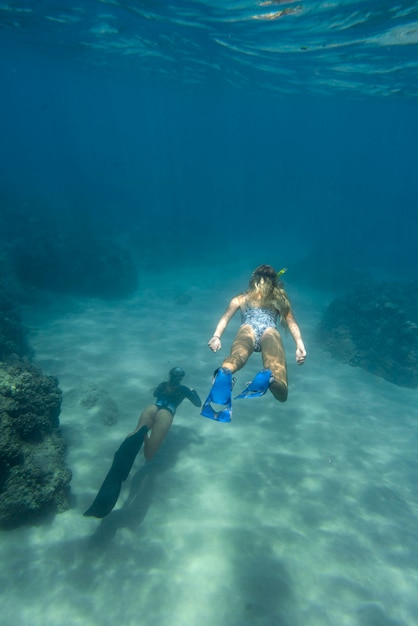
point(295, 514)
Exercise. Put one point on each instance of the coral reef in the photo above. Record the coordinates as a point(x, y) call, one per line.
point(44, 251)
point(13, 336)
point(33, 478)
point(376, 327)
point(74, 262)
point(96, 400)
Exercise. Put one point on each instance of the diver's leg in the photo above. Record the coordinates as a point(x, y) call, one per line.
point(274, 359)
point(147, 418)
point(220, 394)
point(162, 423)
point(241, 349)
point(123, 460)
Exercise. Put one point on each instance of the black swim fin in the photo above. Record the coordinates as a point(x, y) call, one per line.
point(122, 463)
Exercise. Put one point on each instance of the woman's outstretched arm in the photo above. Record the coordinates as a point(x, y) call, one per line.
point(214, 342)
point(297, 336)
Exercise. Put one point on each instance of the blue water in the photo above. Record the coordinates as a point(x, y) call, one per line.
point(199, 122)
point(200, 135)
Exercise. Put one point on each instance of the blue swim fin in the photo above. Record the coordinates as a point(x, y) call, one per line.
point(122, 463)
point(258, 386)
point(219, 394)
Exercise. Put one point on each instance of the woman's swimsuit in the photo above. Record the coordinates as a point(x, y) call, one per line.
point(259, 319)
point(169, 396)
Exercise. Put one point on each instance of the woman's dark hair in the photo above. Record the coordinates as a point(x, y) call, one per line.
point(264, 271)
point(176, 373)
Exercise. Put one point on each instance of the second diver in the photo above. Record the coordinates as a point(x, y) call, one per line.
point(153, 425)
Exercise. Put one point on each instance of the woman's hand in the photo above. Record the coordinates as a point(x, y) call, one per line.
point(215, 343)
point(300, 354)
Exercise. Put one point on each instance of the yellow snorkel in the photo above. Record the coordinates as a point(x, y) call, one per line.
point(282, 271)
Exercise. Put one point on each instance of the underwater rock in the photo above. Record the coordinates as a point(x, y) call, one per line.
point(73, 262)
point(33, 478)
point(96, 401)
point(13, 335)
point(376, 327)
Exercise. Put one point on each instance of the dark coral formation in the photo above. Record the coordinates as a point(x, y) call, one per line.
point(33, 478)
point(96, 401)
point(76, 263)
point(42, 251)
point(13, 336)
point(376, 327)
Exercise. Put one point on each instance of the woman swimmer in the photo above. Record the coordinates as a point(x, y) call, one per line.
point(155, 419)
point(158, 417)
point(260, 306)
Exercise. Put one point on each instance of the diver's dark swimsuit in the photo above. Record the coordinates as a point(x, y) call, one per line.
point(169, 397)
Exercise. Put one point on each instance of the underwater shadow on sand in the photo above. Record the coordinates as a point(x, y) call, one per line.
point(141, 486)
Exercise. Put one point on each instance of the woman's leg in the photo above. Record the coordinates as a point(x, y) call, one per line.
point(123, 460)
point(147, 418)
point(274, 359)
point(220, 394)
point(158, 422)
point(162, 423)
point(241, 350)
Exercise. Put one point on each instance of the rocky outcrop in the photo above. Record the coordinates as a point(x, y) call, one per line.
point(376, 327)
point(13, 336)
point(73, 263)
point(33, 478)
point(41, 249)
point(95, 401)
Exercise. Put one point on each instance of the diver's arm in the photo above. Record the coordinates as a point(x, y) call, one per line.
point(297, 336)
point(214, 342)
point(193, 396)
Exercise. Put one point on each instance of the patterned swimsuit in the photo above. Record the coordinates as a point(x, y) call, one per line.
point(259, 319)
